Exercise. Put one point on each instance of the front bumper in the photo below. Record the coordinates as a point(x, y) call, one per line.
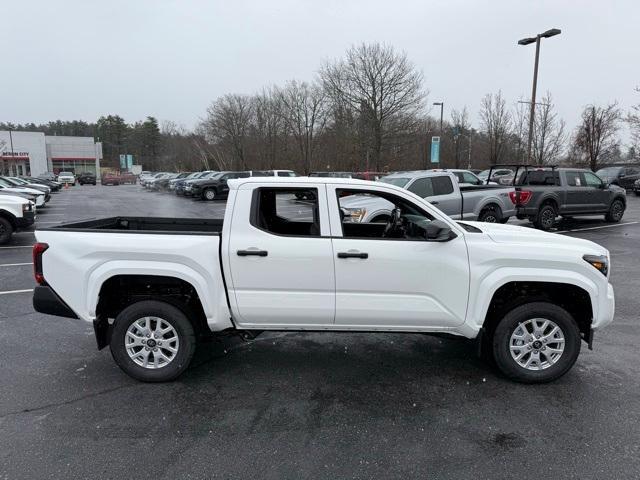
point(26, 221)
point(606, 309)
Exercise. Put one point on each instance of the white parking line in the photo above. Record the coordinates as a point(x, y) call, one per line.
point(598, 228)
point(51, 214)
point(58, 221)
point(15, 264)
point(16, 291)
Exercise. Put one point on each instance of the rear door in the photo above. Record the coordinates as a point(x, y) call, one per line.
point(280, 257)
point(577, 197)
point(440, 192)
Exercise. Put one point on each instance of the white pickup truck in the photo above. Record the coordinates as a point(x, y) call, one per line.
point(16, 213)
point(152, 286)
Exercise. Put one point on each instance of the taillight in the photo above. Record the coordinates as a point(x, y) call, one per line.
point(520, 197)
point(38, 249)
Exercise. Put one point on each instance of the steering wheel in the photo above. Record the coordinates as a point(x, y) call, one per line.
point(395, 227)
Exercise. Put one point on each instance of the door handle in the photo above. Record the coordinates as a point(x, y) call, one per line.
point(255, 253)
point(361, 255)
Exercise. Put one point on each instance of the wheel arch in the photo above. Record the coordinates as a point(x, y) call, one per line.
point(575, 294)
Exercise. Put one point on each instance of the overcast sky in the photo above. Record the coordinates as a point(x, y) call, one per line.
point(82, 59)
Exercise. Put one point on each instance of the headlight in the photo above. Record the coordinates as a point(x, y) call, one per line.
point(599, 262)
point(355, 215)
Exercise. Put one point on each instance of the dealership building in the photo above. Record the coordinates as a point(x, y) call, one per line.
point(34, 153)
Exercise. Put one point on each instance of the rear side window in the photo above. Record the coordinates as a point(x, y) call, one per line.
point(422, 187)
point(573, 179)
point(442, 185)
point(286, 211)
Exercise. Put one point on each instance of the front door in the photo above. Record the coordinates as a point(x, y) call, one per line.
point(395, 279)
point(280, 258)
point(598, 196)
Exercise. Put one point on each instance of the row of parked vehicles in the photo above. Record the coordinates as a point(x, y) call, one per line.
point(540, 195)
point(20, 198)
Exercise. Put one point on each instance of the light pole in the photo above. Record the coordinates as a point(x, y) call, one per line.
point(527, 41)
point(441, 104)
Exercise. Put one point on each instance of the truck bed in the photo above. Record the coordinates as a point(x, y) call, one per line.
point(145, 224)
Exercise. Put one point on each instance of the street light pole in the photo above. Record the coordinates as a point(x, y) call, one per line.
point(527, 41)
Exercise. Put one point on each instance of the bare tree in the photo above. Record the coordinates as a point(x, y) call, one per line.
point(304, 110)
point(269, 126)
point(496, 123)
point(382, 86)
point(596, 135)
point(633, 119)
point(520, 130)
point(461, 129)
point(548, 133)
point(228, 121)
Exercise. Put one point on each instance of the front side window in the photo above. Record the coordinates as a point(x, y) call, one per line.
point(592, 180)
point(468, 177)
point(380, 215)
point(282, 212)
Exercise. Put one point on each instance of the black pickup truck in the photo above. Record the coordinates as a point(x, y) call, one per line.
point(544, 193)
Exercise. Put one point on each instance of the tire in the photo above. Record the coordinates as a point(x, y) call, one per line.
point(132, 319)
point(209, 194)
point(546, 217)
point(547, 369)
point(616, 211)
point(490, 214)
point(6, 230)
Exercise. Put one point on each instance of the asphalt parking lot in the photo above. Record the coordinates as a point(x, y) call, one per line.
point(291, 405)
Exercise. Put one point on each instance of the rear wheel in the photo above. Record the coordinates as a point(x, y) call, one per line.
point(6, 230)
point(536, 343)
point(490, 214)
point(209, 194)
point(616, 211)
point(152, 341)
point(546, 217)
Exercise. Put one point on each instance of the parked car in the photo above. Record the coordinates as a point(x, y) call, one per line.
point(87, 178)
point(21, 182)
point(331, 174)
point(528, 297)
point(181, 177)
point(485, 203)
point(467, 177)
point(216, 187)
point(48, 176)
point(544, 193)
point(636, 187)
point(128, 177)
point(149, 184)
point(186, 189)
point(16, 213)
point(7, 187)
point(373, 176)
point(66, 178)
point(144, 182)
point(624, 176)
point(110, 179)
point(283, 173)
point(162, 183)
point(53, 185)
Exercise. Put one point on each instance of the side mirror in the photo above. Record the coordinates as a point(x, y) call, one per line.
point(438, 231)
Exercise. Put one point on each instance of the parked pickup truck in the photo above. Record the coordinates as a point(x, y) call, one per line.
point(486, 203)
point(152, 286)
point(545, 193)
point(16, 213)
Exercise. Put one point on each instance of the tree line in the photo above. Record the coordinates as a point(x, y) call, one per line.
point(365, 111)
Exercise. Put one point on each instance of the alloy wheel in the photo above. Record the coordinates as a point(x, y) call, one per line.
point(537, 344)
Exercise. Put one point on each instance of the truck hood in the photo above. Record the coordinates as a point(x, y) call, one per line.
point(7, 199)
point(533, 238)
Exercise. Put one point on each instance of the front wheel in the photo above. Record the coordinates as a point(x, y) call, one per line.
point(152, 341)
point(6, 230)
point(536, 343)
point(616, 211)
point(209, 194)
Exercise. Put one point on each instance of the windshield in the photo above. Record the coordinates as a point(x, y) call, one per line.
point(65, 174)
point(609, 171)
point(397, 181)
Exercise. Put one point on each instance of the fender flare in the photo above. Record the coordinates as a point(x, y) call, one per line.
point(490, 284)
point(214, 303)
